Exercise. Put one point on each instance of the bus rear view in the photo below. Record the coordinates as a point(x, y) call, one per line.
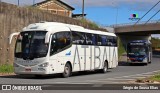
point(139, 51)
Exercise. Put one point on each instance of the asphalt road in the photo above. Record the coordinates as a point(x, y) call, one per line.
point(123, 70)
point(122, 74)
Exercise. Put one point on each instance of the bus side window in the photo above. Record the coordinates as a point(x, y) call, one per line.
point(94, 40)
point(60, 41)
point(99, 40)
point(104, 40)
point(109, 41)
point(89, 39)
point(114, 41)
point(78, 38)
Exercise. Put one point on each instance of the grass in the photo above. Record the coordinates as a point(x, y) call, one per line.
point(155, 77)
point(152, 79)
point(91, 24)
point(6, 68)
point(121, 49)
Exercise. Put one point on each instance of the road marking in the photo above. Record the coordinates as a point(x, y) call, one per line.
point(125, 78)
point(107, 82)
point(137, 77)
point(132, 75)
point(120, 79)
point(61, 82)
point(110, 80)
point(147, 75)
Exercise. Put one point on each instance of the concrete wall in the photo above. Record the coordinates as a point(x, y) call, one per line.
point(151, 28)
point(13, 19)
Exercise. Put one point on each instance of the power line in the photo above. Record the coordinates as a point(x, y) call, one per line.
point(147, 12)
point(153, 16)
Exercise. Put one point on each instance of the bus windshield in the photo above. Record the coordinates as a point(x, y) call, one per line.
point(137, 50)
point(31, 44)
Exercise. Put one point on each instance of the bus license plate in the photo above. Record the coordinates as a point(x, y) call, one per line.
point(28, 69)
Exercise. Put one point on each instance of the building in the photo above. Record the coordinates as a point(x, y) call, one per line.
point(56, 7)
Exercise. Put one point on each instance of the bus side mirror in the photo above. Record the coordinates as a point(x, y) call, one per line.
point(12, 35)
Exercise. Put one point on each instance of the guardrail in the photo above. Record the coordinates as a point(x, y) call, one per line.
point(132, 24)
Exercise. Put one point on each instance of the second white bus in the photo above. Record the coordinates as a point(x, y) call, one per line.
point(51, 47)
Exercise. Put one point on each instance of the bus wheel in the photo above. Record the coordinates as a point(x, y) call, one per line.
point(105, 68)
point(38, 76)
point(149, 62)
point(145, 64)
point(67, 71)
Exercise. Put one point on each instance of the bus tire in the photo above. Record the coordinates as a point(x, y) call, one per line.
point(149, 62)
point(67, 71)
point(105, 67)
point(145, 64)
point(38, 76)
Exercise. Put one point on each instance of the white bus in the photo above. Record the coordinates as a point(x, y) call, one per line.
point(51, 47)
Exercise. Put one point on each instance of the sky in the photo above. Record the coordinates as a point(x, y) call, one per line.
point(108, 12)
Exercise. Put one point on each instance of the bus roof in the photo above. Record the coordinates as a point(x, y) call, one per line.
point(49, 26)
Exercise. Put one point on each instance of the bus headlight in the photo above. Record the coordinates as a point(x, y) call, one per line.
point(15, 65)
point(44, 65)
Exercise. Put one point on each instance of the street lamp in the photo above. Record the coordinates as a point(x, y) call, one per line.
point(116, 13)
point(83, 9)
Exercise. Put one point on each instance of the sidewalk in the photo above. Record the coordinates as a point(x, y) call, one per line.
point(123, 58)
point(6, 74)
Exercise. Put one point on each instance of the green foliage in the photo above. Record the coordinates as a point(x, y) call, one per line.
point(91, 24)
point(6, 68)
point(121, 49)
point(156, 77)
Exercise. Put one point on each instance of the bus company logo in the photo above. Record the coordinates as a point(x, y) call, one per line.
point(68, 54)
point(134, 17)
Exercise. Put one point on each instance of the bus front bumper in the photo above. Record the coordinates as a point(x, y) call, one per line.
point(136, 62)
point(31, 70)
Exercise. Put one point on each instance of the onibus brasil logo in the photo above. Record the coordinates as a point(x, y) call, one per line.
point(134, 17)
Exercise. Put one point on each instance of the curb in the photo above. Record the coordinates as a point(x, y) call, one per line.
point(6, 74)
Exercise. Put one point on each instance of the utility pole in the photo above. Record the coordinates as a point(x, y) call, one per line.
point(116, 7)
point(33, 2)
point(83, 9)
point(18, 2)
